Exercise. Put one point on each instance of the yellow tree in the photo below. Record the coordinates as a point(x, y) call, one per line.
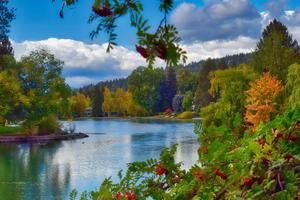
point(261, 99)
point(120, 101)
point(108, 103)
point(79, 102)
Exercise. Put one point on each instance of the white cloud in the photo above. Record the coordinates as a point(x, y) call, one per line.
point(219, 48)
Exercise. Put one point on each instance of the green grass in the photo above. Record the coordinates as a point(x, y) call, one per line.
point(9, 130)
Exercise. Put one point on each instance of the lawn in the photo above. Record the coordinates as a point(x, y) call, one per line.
point(9, 130)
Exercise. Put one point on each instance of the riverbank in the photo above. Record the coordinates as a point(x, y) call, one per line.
point(5, 139)
point(158, 118)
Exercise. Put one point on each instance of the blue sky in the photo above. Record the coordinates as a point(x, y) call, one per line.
point(209, 28)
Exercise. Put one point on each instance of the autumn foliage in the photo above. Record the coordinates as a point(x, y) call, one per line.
point(261, 99)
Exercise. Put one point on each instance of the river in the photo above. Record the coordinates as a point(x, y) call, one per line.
point(50, 171)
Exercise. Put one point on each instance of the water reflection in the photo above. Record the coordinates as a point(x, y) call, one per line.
point(48, 171)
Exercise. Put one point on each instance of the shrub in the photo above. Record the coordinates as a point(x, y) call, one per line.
point(186, 115)
point(49, 124)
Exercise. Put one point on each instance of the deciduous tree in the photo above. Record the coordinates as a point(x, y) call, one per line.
point(79, 103)
point(261, 99)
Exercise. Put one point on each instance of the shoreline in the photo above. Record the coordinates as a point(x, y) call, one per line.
point(17, 139)
point(140, 118)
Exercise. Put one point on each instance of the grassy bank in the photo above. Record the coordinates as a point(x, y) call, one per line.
point(9, 130)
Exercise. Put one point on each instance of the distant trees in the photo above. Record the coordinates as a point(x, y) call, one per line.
point(186, 80)
point(79, 103)
point(177, 103)
point(187, 101)
point(144, 84)
point(276, 50)
point(108, 104)
point(168, 88)
point(97, 100)
point(202, 96)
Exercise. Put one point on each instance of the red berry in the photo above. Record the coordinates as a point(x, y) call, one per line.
point(103, 12)
point(288, 157)
point(248, 182)
point(261, 142)
point(162, 51)
point(160, 170)
point(199, 175)
point(118, 195)
point(194, 192)
point(292, 137)
point(130, 196)
point(142, 51)
point(266, 162)
point(221, 174)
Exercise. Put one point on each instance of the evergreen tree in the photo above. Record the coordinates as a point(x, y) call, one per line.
point(202, 96)
point(276, 50)
point(168, 88)
point(6, 17)
point(97, 101)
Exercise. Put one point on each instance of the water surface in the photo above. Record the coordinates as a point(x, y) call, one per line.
point(49, 171)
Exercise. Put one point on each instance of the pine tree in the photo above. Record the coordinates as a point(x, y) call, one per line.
point(168, 88)
point(276, 50)
point(97, 100)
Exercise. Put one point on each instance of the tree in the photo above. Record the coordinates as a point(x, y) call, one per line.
point(261, 100)
point(230, 86)
point(42, 83)
point(108, 103)
point(6, 17)
point(79, 103)
point(10, 94)
point(120, 101)
point(97, 100)
point(186, 80)
point(177, 103)
point(293, 85)
point(168, 88)
point(276, 50)
point(144, 85)
point(187, 101)
point(202, 96)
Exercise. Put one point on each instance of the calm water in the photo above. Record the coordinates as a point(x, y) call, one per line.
point(49, 171)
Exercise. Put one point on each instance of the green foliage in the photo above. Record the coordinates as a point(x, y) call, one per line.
point(293, 85)
point(144, 84)
point(186, 80)
point(187, 101)
point(49, 125)
point(10, 94)
point(186, 115)
point(276, 50)
point(41, 81)
point(202, 96)
point(7, 16)
point(230, 85)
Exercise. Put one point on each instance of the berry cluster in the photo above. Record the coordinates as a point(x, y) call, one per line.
point(103, 11)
